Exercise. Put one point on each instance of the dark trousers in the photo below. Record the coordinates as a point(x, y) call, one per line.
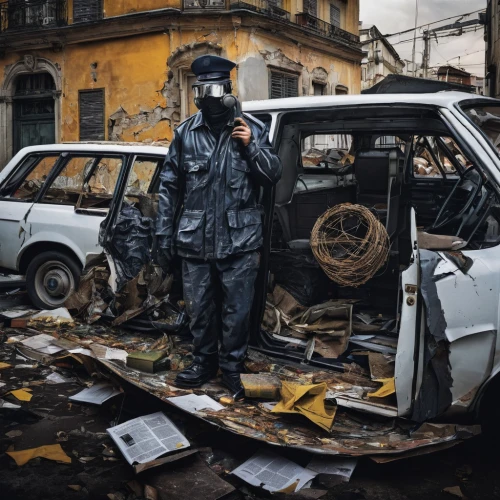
point(219, 296)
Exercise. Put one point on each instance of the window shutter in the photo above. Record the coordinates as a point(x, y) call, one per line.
point(284, 85)
point(92, 115)
point(334, 15)
point(87, 10)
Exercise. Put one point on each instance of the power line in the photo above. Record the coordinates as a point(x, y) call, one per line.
point(424, 26)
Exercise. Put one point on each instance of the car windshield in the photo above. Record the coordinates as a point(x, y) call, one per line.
point(486, 118)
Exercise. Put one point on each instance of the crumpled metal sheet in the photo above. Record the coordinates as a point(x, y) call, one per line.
point(353, 433)
point(435, 396)
point(130, 246)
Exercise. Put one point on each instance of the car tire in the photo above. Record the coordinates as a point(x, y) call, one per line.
point(51, 278)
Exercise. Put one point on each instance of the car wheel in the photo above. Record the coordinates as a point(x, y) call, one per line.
point(51, 278)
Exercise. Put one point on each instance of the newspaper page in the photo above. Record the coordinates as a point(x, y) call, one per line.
point(146, 438)
point(97, 394)
point(273, 473)
point(193, 403)
point(336, 470)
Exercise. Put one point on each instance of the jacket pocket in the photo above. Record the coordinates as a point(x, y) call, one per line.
point(245, 229)
point(196, 173)
point(191, 231)
point(239, 173)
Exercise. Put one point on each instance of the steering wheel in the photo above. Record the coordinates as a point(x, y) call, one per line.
point(471, 181)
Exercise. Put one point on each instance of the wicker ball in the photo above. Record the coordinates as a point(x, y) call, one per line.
point(350, 244)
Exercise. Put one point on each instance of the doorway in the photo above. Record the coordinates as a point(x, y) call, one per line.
point(34, 111)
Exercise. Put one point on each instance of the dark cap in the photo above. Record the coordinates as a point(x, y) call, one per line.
point(212, 68)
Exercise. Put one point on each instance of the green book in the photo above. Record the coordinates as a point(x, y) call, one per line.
point(150, 362)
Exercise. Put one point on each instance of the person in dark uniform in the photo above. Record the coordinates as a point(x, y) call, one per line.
point(209, 216)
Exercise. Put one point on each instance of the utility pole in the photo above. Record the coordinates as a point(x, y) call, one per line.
point(426, 57)
point(428, 34)
point(415, 39)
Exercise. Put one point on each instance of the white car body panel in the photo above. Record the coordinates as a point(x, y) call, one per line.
point(25, 223)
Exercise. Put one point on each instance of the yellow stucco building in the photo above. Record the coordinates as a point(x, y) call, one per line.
point(120, 69)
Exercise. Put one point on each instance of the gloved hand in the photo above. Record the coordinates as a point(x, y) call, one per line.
point(162, 253)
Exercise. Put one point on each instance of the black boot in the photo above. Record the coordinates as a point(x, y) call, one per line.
point(196, 375)
point(232, 381)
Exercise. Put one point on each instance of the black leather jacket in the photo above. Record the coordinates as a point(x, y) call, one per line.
point(216, 184)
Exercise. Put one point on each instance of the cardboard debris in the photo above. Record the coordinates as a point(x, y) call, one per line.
point(146, 438)
point(164, 460)
point(188, 479)
point(22, 394)
point(388, 388)
point(261, 385)
point(307, 400)
point(274, 473)
point(54, 318)
point(50, 452)
point(4, 366)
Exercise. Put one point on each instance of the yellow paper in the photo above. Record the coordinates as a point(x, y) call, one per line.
point(4, 365)
point(22, 394)
point(50, 452)
point(307, 400)
point(388, 388)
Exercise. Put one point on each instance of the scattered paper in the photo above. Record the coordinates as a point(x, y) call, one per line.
point(56, 378)
point(42, 343)
point(22, 394)
point(332, 471)
point(18, 312)
point(104, 352)
point(3, 365)
point(146, 438)
point(96, 395)
point(50, 452)
point(27, 367)
point(6, 405)
point(455, 491)
point(193, 403)
point(274, 473)
point(307, 400)
point(13, 434)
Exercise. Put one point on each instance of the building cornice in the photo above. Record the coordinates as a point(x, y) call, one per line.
point(163, 20)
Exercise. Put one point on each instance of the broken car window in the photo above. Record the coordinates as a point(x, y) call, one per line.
point(326, 151)
point(85, 182)
point(437, 157)
point(28, 188)
point(487, 119)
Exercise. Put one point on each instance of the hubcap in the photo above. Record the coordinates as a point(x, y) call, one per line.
point(54, 283)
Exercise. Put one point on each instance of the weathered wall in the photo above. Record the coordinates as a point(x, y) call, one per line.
point(120, 7)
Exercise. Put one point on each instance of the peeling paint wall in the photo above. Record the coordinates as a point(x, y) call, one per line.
point(145, 76)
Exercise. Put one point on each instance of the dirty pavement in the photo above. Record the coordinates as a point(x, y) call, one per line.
point(77, 395)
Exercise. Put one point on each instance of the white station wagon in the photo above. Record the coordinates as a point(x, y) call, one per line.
point(53, 200)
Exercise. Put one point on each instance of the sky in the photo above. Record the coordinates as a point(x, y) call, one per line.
point(391, 16)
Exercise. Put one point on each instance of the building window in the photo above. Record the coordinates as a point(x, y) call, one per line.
point(87, 10)
point(284, 85)
point(334, 15)
point(91, 107)
point(319, 88)
point(311, 7)
point(341, 90)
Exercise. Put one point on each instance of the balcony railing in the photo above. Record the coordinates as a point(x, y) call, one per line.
point(16, 15)
point(322, 27)
point(205, 4)
point(271, 8)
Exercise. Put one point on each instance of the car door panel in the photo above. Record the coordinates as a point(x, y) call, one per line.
point(15, 230)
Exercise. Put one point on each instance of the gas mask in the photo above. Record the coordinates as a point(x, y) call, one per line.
point(209, 97)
